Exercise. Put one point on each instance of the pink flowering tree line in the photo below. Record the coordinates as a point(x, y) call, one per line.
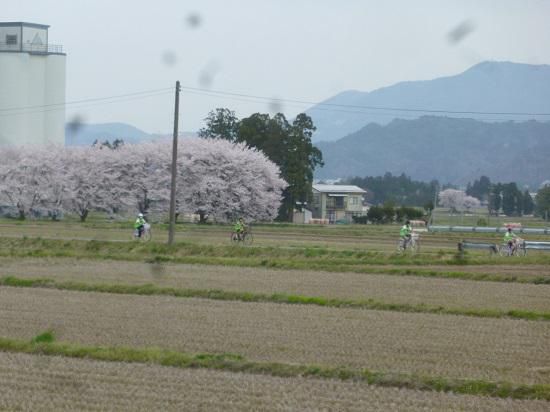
point(457, 200)
point(216, 179)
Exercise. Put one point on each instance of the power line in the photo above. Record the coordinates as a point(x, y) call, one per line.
point(345, 108)
point(93, 99)
point(92, 102)
point(389, 108)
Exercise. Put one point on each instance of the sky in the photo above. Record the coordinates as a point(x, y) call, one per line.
point(304, 50)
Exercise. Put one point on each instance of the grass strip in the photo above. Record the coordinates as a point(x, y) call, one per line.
point(40, 247)
point(237, 363)
point(266, 257)
point(281, 298)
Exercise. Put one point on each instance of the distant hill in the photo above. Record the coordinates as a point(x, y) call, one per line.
point(448, 149)
point(87, 134)
point(485, 87)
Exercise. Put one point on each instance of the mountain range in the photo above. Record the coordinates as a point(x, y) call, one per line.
point(495, 87)
point(84, 134)
point(447, 149)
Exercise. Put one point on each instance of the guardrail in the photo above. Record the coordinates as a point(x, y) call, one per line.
point(493, 248)
point(32, 48)
point(537, 245)
point(484, 229)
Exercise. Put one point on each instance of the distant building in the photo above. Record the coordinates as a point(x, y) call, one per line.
point(337, 202)
point(32, 86)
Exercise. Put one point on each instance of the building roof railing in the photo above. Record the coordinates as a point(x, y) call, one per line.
point(32, 48)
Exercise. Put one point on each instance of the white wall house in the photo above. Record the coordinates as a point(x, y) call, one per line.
point(32, 86)
point(337, 202)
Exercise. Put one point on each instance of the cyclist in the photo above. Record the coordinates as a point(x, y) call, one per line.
point(139, 225)
point(240, 228)
point(510, 239)
point(405, 234)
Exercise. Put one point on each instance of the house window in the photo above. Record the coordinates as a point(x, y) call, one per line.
point(335, 202)
point(11, 39)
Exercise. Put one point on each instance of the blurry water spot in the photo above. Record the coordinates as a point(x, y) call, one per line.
point(275, 106)
point(460, 32)
point(75, 123)
point(157, 269)
point(208, 73)
point(73, 126)
point(193, 20)
point(169, 58)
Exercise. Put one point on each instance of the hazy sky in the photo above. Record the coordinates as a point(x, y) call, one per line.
point(301, 49)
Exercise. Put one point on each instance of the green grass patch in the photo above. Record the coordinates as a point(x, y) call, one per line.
point(280, 298)
point(270, 257)
point(45, 337)
point(236, 363)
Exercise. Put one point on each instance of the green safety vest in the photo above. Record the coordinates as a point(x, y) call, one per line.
point(139, 222)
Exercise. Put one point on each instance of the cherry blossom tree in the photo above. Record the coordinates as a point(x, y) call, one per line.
point(216, 178)
point(457, 200)
point(225, 180)
point(471, 202)
point(23, 178)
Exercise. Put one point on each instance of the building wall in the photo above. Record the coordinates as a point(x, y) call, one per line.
point(4, 31)
point(29, 34)
point(32, 80)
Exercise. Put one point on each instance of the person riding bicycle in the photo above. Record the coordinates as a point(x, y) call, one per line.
point(405, 234)
point(240, 228)
point(139, 225)
point(510, 239)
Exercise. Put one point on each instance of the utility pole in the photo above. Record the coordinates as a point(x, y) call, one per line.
point(432, 214)
point(172, 226)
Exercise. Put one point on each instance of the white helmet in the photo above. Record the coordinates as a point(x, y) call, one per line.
point(140, 215)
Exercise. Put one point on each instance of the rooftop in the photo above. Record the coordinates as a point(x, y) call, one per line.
point(338, 189)
point(24, 24)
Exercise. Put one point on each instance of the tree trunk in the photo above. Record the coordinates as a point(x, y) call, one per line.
point(83, 215)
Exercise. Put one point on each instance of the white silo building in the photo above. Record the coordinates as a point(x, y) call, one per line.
point(32, 86)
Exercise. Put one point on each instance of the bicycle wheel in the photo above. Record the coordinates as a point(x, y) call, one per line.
point(147, 235)
point(504, 250)
point(415, 246)
point(248, 238)
point(521, 250)
point(234, 238)
point(400, 246)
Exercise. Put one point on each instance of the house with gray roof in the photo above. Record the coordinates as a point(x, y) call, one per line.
point(337, 202)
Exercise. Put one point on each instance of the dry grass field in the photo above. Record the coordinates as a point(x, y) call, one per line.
point(434, 345)
point(449, 293)
point(109, 351)
point(34, 382)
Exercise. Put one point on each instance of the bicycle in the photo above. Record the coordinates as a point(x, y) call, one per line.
point(518, 248)
point(146, 235)
point(246, 237)
point(412, 243)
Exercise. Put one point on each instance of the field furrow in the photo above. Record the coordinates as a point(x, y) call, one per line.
point(34, 382)
point(448, 293)
point(436, 345)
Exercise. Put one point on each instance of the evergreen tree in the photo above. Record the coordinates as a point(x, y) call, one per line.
point(221, 123)
point(495, 201)
point(480, 188)
point(287, 145)
point(400, 190)
point(511, 199)
point(528, 204)
point(542, 200)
